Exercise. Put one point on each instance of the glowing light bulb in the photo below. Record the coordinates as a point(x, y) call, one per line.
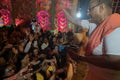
point(78, 15)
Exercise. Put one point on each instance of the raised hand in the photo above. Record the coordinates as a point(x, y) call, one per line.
point(31, 37)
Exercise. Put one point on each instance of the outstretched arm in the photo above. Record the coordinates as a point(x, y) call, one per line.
point(71, 19)
point(112, 58)
point(105, 61)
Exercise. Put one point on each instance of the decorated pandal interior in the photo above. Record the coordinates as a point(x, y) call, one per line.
point(35, 37)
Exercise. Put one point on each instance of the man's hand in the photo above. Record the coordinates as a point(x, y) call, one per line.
point(73, 54)
point(31, 37)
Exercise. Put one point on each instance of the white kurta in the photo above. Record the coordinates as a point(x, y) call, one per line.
point(112, 45)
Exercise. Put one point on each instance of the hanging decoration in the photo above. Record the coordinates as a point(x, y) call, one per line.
point(43, 20)
point(62, 22)
point(5, 15)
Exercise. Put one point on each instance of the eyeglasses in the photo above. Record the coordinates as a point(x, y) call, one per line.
point(94, 6)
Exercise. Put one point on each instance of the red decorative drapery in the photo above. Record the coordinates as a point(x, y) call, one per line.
point(43, 20)
point(6, 16)
point(62, 21)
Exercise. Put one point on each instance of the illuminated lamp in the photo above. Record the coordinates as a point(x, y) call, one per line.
point(18, 21)
point(78, 15)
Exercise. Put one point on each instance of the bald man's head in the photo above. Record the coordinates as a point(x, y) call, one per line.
point(99, 10)
point(108, 3)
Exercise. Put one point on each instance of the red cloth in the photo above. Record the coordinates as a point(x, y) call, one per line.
point(105, 28)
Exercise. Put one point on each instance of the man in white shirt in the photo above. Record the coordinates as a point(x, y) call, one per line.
point(103, 50)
